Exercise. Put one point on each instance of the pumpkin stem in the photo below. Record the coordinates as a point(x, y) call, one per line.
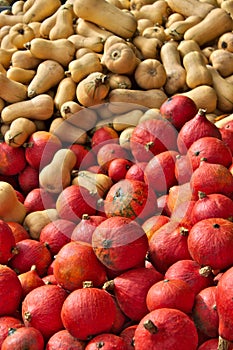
point(223, 344)
point(15, 250)
point(11, 330)
point(205, 271)
point(87, 284)
point(202, 112)
point(109, 285)
point(148, 145)
point(201, 194)
point(150, 327)
point(27, 316)
point(216, 225)
point(184, 231)
point(85, 217)
point(100, 344)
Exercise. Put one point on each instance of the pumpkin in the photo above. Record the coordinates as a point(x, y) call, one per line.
point(80, 254)
point(28, 179)
point(158, 330)
point(108, 152)
point(41, 308)
point(66, 339)
point(38, 199)
point(12, 159)
point(84, 229)
point(19, 232)
point(153, 223)
point(30, 280)
point(10, 301)
point(128, 335)
point(117, 250)
point(136, 171)
point(106, 341)
point(87, 312)
point(7, 243)
point(7, 322)
point(23, 337)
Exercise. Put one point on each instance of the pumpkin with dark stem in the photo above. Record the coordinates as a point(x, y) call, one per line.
point(23, 338)
point(7, 322)
point(106, 341)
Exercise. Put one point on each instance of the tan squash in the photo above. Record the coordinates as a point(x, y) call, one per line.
point(227, 5)
point(186, 46)
point(176, 74)
point(150, 74)
point(3, 31)
point(143, 24)
point(67, 132)
point(211, 27)
point(48, 23)
point(222, 61)
point(229, 78)
point(93, 89)
point(177, 29)
point(120, 59)
point(63, 26)
point(172, 18)
point(81, 52)
point(190, 7)
point(40, 9)
point(116, 3)
point(49, 74)
point(204, 96)
point(149, 47)
point(40, 107)
point(2, 104)
point(69, 108)
point(11, 91)
point(96, 184)
point(137, 4)
point(225, 41)
point(6, 56)
point(221, 122)
point(157, 12)
point(89, 29)
point(19, 131)
point(36, 220)
point(152, 113)
point(17, 7)
point(65, 91)
point(60, 50)
point(119, 22)
point(56, 176)
point(21, 75)
point(24, 59)
point(224, 90)
point(156, 31)
point(152, 98)
point(9, 20)
point(119, 81)
point(94, 43)
point(2, 69)
point(123, 121)
point(84, 118)
point(11, 209)
point(125, 136)
point(27, 5)
point(36, 28)
point(81, 67)
point(196, 71)
point(20, 34)
point(6, 43)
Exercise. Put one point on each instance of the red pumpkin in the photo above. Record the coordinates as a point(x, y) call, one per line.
point(194, 129)
point(152, 137)
point(131, 199)
point(31, 252)
point(179, 194)
point(205, 313)
point(108, 152)
point(210, 148)
point(118, 168)
point(227, 136)
point(81, 255)
point(159, 330)
point(212, 178)
point(10, 291)
point(160, 172)
point(30, 280)
point(120, 319)
point(182, 213)
point(6, 323)
point(136, 171)
point(131, 293)
point(153, 223)
point(178, 109)
point(190, 271)
point(84, 229)
point(88, 312)
point(12, 160)
point(176, 294)
point(7, 243)
point(28, 179)
point(56, 234)
point(106, 341)
point(18, 230)
point(128, 335)
point(120, 243)
point(103, 135)
point(40, 148)
point(66, 340)
point(39, 199)
point(84, 157)
point(168, 245)
point(74, 201)
point(41, 308)
point(23, 338)
point(211, 344)
point(183, 169)
point(210, 242)
point(212, 205)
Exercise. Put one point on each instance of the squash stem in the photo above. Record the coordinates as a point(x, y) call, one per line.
point(223, 344)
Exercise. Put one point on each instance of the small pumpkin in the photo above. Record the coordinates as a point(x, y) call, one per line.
point(23, 337)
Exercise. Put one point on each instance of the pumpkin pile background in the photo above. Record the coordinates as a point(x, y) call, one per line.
point(116, 175)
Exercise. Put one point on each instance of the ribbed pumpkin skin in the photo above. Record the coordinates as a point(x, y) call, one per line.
point(87, 312)
point(7, 322)
point(64, 339)
point(173, 330)
point(106, 341)
point(120, 243)
point(24, 338)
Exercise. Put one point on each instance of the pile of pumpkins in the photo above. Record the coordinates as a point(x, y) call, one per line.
point(116, 175)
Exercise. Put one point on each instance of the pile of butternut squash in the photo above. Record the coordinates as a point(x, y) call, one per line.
point(59, 57)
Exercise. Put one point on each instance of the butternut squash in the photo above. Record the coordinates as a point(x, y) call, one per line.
point(95, 43)
point(152, 113)
point(156, 31)
point(2, 104)
point(223, 121)
point(222, 61)
point(27, 5)
point(211, 27)
point(186, 46)
point(204, 96)
point(84, 118)
point(17, 7)
point(36, 220)
point(40, 9)
point(11, 209)
point(93, 11)
point(6, 43)
point(24, 59)
point(225, 41)
point(224, 90)
point(227, 5)
point(11, 91)
point(119, 81)
point(48, 23)
point(21, 75)
point(123, 121)
point(69, 108)
point(56, 176)
point(172, 18)
point(196, 70)
point(150, 74)
point(137, 4)
point(9, 20)
point(67, 132)
point(176, 74)
point(66, 91)
point(157, 12)
point(63, 26)
point(36, 28)
point(20, 34)
point(60, 50)
point(40, 107)
point(89, 29)
point(190, 7)
point(177, 29)
point(125, 136)
point(49, 73)
point(3, 31)
point(80, 68)
point(19, 131)
point(6, 56)
point(149, 47)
